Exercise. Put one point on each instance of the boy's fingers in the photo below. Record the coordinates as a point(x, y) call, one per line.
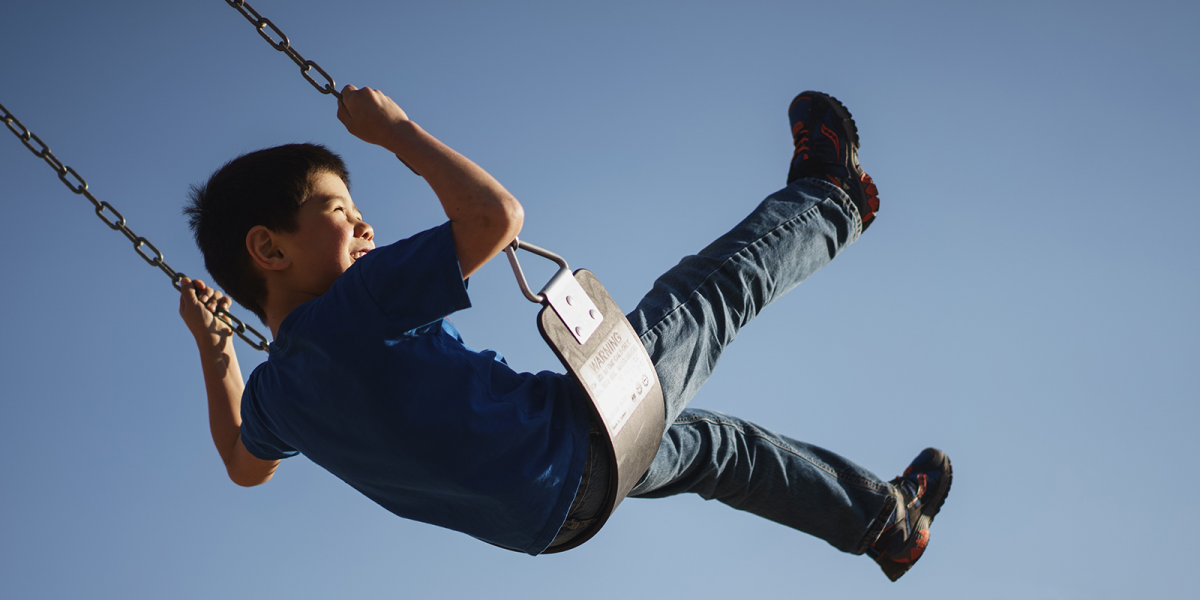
point(203, 292)
point(348, 94)
point(211, 300)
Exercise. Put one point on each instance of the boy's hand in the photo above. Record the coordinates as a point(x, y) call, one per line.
point(196, 305)
point(369, 114)
point(222, 381)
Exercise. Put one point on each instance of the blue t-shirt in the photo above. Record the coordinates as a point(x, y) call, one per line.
point(371, 382)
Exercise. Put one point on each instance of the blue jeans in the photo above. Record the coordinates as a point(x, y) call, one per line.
point(693, 312)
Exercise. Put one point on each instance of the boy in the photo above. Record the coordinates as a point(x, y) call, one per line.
point(368, 379)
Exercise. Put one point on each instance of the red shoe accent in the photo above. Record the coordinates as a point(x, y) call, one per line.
point(831, 134)
point(800, 142)
point(921, 542)
point(923, 539)
point(873, 204)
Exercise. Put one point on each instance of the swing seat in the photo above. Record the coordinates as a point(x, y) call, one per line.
point(599, 348)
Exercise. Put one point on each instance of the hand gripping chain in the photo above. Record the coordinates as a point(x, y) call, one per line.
point(154, 258)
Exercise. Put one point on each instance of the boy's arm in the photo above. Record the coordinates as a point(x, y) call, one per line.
point(222, 381)
point(484, 217)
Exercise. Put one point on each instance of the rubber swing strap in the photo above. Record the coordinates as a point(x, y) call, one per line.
point(590, 335)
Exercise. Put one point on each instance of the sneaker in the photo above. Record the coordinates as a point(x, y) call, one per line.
point(826, 140)
point(920, 493)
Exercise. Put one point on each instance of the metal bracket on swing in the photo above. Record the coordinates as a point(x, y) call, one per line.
point(563, 293)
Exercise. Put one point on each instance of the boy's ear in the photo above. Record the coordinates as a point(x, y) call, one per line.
point(265, 250)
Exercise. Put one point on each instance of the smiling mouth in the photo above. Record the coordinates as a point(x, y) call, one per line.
point(359, 254)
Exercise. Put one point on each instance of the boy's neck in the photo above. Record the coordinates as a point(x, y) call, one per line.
point(280, 304)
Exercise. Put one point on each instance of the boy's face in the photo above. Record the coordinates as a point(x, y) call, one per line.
point(330, 237)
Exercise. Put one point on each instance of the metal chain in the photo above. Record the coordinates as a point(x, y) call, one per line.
point(283, 45)
point(262, 24)
point(77, 184)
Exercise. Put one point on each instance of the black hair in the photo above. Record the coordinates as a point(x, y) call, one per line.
point(267, 188)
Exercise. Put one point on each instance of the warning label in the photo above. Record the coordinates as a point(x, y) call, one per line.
point(620, 375)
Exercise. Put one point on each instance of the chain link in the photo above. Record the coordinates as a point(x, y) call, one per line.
point(262, 24)
point(156, 259)
point(283, 45)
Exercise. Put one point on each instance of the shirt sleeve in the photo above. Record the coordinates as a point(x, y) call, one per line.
point(416, 281)
point(255, 437)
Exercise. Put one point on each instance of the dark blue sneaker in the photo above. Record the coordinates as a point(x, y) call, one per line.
point(920, 492)
point(826, 140)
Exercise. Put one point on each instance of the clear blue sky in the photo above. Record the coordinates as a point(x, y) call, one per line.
point(1026, 300)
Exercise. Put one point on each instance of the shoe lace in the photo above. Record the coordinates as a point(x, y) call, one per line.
point(913, 488)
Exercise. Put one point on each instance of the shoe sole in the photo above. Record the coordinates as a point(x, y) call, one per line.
point(944, 483)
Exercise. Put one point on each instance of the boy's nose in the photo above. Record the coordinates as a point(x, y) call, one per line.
point(364, 230)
